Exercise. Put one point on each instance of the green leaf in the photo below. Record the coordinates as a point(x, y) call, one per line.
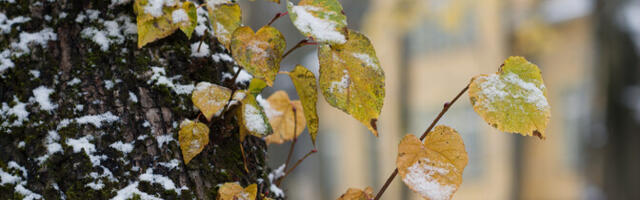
point(193, 137)
point(151, 28)
point(225, 19)
point(352, 80)
point(259, 53)
point(256, 86)
point(305, 83)
point(210, 98)
point(252, 118)
point(322, 20)
point(514, 99)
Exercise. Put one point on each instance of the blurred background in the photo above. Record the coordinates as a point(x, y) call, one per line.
point(587, 50)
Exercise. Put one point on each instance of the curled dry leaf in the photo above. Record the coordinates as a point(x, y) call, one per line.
point(225, 18)
point(210, 98)
point(514, 99)
point(352, 80)
point(305, 83)
point(322, 20)
point(282, 117)
point(181, 15)
point(193, 137)
point(357, 194)
point(259, 53)
point(233, 191)
point(433, 169)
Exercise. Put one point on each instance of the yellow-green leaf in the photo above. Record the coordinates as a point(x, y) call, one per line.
point(305, 83)
point(357, 194)
point(284, 115)
point(234, 191)
point(514, 99)
point(322, 20)
point(352, 80)
point(210, 98)
point(433, 169)
point(252, 118)
point(193, 137)
point(256, 86)
point(225, 19)
point(158, 21)
point(259, 53)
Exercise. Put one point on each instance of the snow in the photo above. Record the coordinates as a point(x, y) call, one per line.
point(97, 120)
point(494, 88)
point(159, 77)
point(108, 84)
point(253, 120)
point(243, 77)
point(35, 73)
point(341, 85)
point(132, 97)
point(154, 7)
point(18, 110)
point(276, 174)
point(164, 181)
point(367, 60)
point(51, 142)
point(5, 60)
point(83, 143)
point(270, 112)
point(74, 81)
point(324, 30)
point(122, 147)
point(172, 164)
point(6, 178)
point(420, 177)
point(164, 139)
point(203, 24)
point(6, 23)
point(26, 193)
point(95, 185)
point(276, 190)
point(179, 15)
point(113, 33)
point(14, 165)
point(39, 38)
point(204, 49)
point(213, 3)
point(217, 57)
point(258, 53)
point(130, 191)
point(41, 95)
point(119, 2)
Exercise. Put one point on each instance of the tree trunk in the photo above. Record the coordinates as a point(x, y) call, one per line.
point(85, 114)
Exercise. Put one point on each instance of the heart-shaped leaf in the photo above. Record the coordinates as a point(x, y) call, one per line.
point(233, 191)
point(225, 19)
point(352, 80)
point(305, 83)
point(357, 194)
point(193, 137)
point(284, 115)
point(514, 99)
point(156, 20)
point(433, 169)
point(210, 98)
point(259, 53)
point(322, 20)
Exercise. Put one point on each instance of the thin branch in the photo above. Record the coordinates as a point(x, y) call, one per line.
point(296, 165)
point(202, 39)
point(278, 15)
point(300, 44)
point(445, 108)
point(293, 144)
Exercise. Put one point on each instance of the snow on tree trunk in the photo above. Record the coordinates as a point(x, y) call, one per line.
point(85, 114)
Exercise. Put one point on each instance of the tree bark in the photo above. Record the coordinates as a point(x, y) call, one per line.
point(106, 94)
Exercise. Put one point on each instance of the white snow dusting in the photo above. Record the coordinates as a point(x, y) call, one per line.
point(270, 112)
point(324, 30)
point(159, 78)
point(420, 177)
point(41, 95)
point(341, 85)
point(253, 120)
point(202, 52)
point(122, 147)
point(179, 15)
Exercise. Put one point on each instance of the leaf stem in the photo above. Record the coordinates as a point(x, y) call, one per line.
point(296, 165)
point(300, 44)
point(293, 144)
point(445, 108)
point(278, 15)
point(202, 39)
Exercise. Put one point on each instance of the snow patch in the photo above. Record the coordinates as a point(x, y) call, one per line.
point(164, 181)
point(270, 112)
point(341, 85)
point(6, 23)
point(159, 78)
point(322, 29)
point(122, 147)
point(179, 15)
point(41, 95)
point(18, 110)
point(204, 49)
point(5, 60)
point(164, 139)
point(130, 191)
point(172, 164)
point(132, 97)
point(420, 177)
point(253, 120)
point(38, 38)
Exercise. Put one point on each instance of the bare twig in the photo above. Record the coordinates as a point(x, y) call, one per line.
point(278, 15)
point(300, 44)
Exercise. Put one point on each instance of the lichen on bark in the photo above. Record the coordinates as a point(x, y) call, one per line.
point(104, 97)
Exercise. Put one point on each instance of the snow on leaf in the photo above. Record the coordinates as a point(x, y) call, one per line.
point(433, 169)
point(210, 98)
point(159, 19)
point(259, 53)
point(350, 83)
point(234, 191)
point(284, 115)
point(514, 99)
point(225, 18)
point(321, 19)
point(357, 194)
point(193, 137)
point(252, 118)
point(307, 88)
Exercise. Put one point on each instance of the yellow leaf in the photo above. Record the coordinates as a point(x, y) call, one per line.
point(252, 118)
point(151, 28)
point(282, 117)
point(352, 80)
point(210, 98)
point(433, 169)
point(256, 86)
point(322, 20)
point(259, 53)
point(305, 83)
point(233, 191)
point(514, 99)
point(225, 19)
point(193, 137)
point(357, 194)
